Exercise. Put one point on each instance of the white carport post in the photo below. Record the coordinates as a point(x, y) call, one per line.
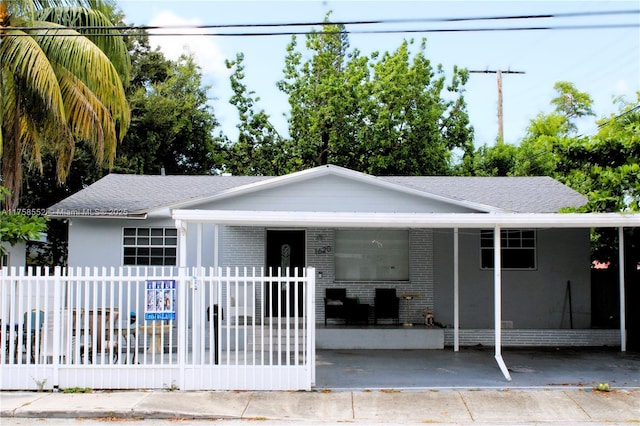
point(456, 293)
point(182, 297)
point(199, 246)
point(623, 318)
point(497, 295)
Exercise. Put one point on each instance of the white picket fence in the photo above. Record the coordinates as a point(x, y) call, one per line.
point(146, 328)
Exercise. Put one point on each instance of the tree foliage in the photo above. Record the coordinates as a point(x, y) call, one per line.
point(16, 227)
point(259, 149)
point(385, 114)
point(51, 98)
point(172, 124)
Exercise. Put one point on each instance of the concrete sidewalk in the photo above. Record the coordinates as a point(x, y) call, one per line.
point(394, 387)
point(559, 406)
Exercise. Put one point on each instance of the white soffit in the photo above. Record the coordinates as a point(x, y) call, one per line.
point(409, 220)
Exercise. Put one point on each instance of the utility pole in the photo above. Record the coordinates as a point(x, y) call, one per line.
point(499, 78)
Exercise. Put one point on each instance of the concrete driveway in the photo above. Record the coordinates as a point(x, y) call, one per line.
point(475, 367)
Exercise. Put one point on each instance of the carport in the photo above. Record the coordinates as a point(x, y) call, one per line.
point(455, 221)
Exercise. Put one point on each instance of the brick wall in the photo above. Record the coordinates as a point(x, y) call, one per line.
point(243, 246)
point(515, 337)
point(320, 244)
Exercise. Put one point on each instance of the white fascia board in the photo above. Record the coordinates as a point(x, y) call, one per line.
point(408, 220)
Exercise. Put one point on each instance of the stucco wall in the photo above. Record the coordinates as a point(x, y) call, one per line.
point(333, 193)
point(16, 254)
point(530, 299)
point(98, 242)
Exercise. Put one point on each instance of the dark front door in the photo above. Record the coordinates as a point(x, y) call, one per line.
point(285, 249)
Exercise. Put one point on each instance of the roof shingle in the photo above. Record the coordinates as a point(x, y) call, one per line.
point(139, 194)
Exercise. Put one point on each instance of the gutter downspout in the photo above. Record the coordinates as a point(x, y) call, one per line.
point(623, 318)
point(497, 304)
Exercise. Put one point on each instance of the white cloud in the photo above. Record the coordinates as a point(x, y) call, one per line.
point(207, 53)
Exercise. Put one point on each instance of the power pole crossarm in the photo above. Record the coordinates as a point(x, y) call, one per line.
point(499, 79)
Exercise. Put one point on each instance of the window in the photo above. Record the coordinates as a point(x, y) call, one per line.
point(372, 255)
point(4, 260)
point(518, 249)
point(150, 246)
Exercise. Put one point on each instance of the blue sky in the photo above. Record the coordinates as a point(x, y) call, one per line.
point(605, 63)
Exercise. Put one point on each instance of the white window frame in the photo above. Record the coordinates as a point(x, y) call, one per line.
point(511, 240)
point(164, 239)
point(372, 255)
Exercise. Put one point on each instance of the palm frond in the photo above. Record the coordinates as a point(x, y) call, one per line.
point(89, 119)
point(111, 44)
point(88, 63)
point(23, 57)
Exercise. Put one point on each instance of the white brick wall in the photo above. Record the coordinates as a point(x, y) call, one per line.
point(581, 337)
point(243, 246)
point(420, 273)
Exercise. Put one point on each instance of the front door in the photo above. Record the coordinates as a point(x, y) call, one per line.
point(285, 249)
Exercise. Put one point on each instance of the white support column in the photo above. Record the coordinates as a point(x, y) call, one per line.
point(199, 245)
point(456, 293)
point(216, 236)
point(497, 295)
point(182, 243)
point(623, 318)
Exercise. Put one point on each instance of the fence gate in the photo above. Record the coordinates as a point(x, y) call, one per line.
point(138, 328)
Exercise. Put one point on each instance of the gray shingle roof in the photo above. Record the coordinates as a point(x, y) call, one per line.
point(538, 194)
point(139, 194)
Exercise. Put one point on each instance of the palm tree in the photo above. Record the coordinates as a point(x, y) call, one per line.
point(59, 84)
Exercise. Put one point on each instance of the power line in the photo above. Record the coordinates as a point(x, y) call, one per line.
point(112, 29)
point(54, 32)
point(629, 111)
point(360, 22)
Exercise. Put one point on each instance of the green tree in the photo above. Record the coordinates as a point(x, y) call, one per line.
point(496, 160)
point(384, 114)
point(259, 150)
point(319, 94)
point(51, 98)
point(414, 127)
point(172, 125)
point(16, 227)
point(542, 151)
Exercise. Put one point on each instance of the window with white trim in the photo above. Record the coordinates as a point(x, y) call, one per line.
point(372, 255)
point(150, 246)
point(518, 248)
point(4, 260)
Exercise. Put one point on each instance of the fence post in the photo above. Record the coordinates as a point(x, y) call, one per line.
point(57, 326)
point(311, 323)
point(182, 324)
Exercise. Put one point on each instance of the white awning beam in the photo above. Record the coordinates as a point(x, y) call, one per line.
point(408, 220)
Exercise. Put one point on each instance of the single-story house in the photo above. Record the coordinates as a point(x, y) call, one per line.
point(432, 239)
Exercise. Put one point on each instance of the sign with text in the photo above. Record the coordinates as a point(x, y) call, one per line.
point(161, 300)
